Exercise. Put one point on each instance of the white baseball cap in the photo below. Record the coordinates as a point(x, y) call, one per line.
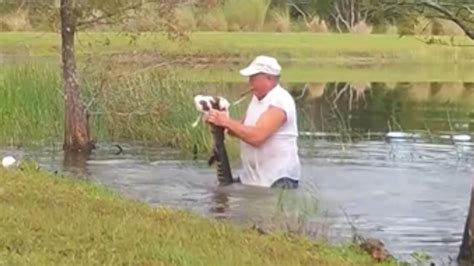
point(262, 64)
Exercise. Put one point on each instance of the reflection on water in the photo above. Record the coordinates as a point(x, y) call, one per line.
point(76, 164)
point(410, 188)
point(374, 107)
point(354, 110)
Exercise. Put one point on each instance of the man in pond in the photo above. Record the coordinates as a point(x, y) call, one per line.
point(268, 131)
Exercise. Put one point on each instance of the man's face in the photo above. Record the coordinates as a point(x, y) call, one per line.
point(260, 84)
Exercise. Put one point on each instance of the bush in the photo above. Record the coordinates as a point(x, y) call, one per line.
point(246, 15)
point(15, 21)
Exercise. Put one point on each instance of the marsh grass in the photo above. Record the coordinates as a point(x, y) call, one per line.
point(279, 20)
point(214, 20)
point(186, 18)
point(157, 109)
point(18, 20)
point(230, 15)
point(50, 219)
point(246, 15)
point(30, 103)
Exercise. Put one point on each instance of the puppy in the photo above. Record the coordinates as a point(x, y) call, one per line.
point(205, 103)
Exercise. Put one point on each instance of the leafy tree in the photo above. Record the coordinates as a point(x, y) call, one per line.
point(84, 13)
point(72, 16)
point(460, 12)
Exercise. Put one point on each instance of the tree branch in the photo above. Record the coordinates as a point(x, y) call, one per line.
point(354, 16)
point(450, 16)
point(301, 12)
point(339, 16)
point(336, 20)
point(442, 9)
point(22, 4)
point(95, 20)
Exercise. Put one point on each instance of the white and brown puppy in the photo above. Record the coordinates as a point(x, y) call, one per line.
point(205, 103)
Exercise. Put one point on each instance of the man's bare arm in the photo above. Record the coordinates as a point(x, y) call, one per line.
point(269, 122)
point(230, 132)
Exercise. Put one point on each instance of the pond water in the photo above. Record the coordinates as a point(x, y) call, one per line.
point(392, 160)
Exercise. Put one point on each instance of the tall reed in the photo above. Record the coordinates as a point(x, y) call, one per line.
point(152, 108)
point(280, 19)
point(246, 15)
point(30, 103)
point(213, 20)
point(158, 109)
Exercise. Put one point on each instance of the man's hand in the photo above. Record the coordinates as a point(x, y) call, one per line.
point(268, 123)
point(217, 118)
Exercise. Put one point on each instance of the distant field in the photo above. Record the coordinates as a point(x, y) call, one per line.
point(303, 73)
point(310, 47)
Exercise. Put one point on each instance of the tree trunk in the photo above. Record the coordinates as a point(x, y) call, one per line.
point(465, 256)
point(76, 133)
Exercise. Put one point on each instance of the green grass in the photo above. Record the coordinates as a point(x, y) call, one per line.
point(155, 109)
point(149, 108)
point(48, 219)
point(308, 47)
point(30, 103)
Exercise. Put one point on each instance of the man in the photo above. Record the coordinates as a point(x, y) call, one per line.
point(268, 132)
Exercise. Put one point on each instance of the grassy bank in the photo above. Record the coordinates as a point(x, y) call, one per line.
point(304, 73)
point(56, 220)
point(309, 47)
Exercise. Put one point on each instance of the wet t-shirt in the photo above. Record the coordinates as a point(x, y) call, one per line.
point(277, 157)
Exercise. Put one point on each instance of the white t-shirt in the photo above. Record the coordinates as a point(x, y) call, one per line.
point(277, 157)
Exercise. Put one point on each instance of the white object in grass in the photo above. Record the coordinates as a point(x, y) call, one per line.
point(8, 161)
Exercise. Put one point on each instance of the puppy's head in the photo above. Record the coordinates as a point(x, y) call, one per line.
point(205, 103)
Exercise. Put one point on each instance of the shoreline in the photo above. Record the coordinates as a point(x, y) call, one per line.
point(58, 219)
